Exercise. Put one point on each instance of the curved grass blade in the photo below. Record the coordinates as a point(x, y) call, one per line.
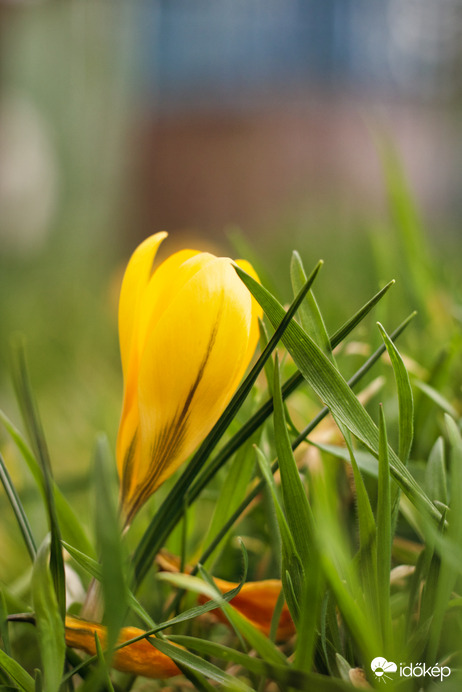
point(405, 398)
point(18, 510)
point(310, 315)
point(168, 514)
point(334, 391)
point(34, 427)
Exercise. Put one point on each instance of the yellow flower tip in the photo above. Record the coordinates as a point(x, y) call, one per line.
point(188, 330)
point(139, 658)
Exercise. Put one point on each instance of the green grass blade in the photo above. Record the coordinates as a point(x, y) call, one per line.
point(4, 632)
point(50, 628)
point(435, 473)
point(310, 315)
point(448, 574)
point(301, 524)
point(297, 508)
point(113, 577)
point(284, 675)
point(367, 533)
point(18, 510)
point(405, 398)
point(337, 564)
point(34, 427)
point(384, 535)
point(16, 672)
point(200, 665)
point(290, 562)
point(172, 508)
point(437, 398)
point(334, 391)
point(70, 525)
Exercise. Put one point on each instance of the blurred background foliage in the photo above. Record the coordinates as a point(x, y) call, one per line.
point(329, 126)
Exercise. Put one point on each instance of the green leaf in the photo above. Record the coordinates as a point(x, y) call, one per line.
point(195, 663)
point(301, 525)
point(34, 427)
point(367, 533)
point(334, 391)
point(436, 397)
point(281, 674)
point(70, 525)
point(18, 510)
point(291, 563)
point(113, 578)
point(448, 574)
point(50, 628)
point(310, 315)
point(4, 633)
point(405, 398)
point(337, 564)
point(384, 535)
point(16, 672)
point(435, 473)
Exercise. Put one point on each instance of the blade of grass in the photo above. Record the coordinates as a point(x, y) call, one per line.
point(18, 510)
point(280, 674)
point(310, 315)
point(448, 575)
point(435, 473)
point(405, 398)
point(301, 525)
point(367, 533)
point(71, 527)
point(334, 391)
point(4, 632)
point(35, 431)
point(113, 577)
point(290, 558)
point(168, 514)
point(384, 536)
point(50, 628)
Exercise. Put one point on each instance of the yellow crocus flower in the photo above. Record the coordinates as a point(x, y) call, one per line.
point(188, 330)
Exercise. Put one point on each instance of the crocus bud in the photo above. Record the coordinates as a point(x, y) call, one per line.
point(188, 330)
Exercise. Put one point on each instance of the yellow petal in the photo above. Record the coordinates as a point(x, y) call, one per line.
point(135, 281)
point(195, 329)
point(139, 658)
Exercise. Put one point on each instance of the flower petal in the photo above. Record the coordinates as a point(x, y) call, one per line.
point(139, 658)
point(193, 360)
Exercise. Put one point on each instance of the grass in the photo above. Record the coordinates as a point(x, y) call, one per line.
point(335, 468)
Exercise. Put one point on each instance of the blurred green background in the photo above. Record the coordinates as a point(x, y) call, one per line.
point(254, 129)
